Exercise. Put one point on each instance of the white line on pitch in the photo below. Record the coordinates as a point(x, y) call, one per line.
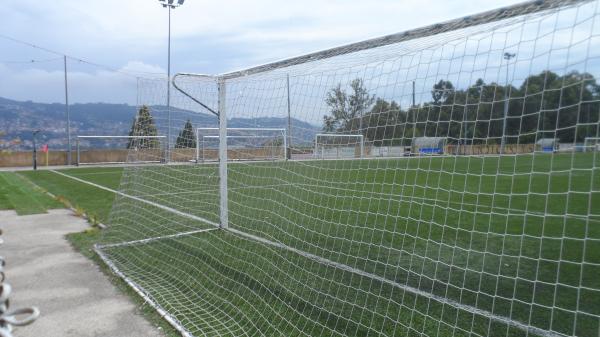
point(163, 207)
point(142, 241)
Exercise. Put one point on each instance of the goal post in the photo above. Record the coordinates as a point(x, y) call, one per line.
point(104, 150)
point(591, 144)
point(242, 144)
point(339, 146)
point(470, 233)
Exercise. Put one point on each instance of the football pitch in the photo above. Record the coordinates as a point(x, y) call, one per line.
point(447, 246)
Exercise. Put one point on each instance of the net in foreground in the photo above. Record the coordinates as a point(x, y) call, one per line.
point(474, 232)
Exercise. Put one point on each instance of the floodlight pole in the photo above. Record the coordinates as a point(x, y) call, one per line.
point(507, 57)
point(169, 4)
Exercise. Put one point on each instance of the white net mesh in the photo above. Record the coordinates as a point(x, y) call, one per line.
point(242, 144)
point(339, 146)
point(489, 237)
point(92, 150)
point(591, 144)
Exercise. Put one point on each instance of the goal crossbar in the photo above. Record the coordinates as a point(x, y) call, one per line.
point(528, 7)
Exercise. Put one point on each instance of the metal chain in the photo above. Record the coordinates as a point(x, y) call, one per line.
point(10, 319)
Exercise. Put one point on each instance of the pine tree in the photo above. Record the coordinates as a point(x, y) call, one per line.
point(186, 138)
point(143, 125)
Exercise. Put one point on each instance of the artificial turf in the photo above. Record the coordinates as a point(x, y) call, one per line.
point(18, 194)
point(514, 236)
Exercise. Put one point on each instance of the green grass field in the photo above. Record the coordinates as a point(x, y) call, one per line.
point(20, 195)
point(518, 237)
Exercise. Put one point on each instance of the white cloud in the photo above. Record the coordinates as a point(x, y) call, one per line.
point(124, 29)
point(208, 36)
point(48, 85)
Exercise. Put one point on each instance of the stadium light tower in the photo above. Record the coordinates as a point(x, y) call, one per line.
point(507, 57)
point(169, 4)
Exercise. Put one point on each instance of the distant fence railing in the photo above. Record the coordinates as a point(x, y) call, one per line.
point(483, 149)
point(55, 158)
point(24, 158)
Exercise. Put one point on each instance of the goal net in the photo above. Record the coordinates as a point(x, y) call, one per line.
point(493, 238)
point(338, 146)
point(242, 144)
point(104, 150)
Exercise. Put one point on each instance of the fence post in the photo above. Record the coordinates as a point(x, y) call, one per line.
point(78, 154)
point(223, 154)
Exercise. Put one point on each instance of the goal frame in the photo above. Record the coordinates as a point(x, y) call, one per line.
point(200, 139)
point(78, 149)
point(586, 148)
point(220, 81)
point(339, 135)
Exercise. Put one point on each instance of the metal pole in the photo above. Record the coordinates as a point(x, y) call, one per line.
point(169, 91)
point(224, 214)
point(507, 57)
point(362, 146)
point(289, 131)
point(137, 92)
point(34, 151)
point(285, 145)
point(78, 152)
point(68, 114)
point(413, 93)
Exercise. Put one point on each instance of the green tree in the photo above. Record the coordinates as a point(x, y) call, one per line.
point(348, 110)
point(186, 138)
point(143, 126)
point(545, 105)
point(384, 123)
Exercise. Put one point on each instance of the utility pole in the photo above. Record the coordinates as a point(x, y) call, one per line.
point(507, 57)
point(68, 114)
point(289, 110)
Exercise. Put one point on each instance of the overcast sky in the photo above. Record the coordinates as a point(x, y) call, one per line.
point(207, 37)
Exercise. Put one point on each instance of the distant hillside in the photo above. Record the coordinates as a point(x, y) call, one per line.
point(19, 119)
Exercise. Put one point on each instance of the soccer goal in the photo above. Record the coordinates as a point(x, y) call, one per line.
point(242, 144)
point(104, 150)
point(591, 144)
point(471, 234)
point(338, 146)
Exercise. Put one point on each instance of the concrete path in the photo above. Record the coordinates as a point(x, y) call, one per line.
point(75, 298)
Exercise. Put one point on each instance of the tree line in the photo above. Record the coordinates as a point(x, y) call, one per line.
point(545, 105)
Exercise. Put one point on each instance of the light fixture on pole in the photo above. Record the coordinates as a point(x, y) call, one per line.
point(170, 4)
point(507, 57)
